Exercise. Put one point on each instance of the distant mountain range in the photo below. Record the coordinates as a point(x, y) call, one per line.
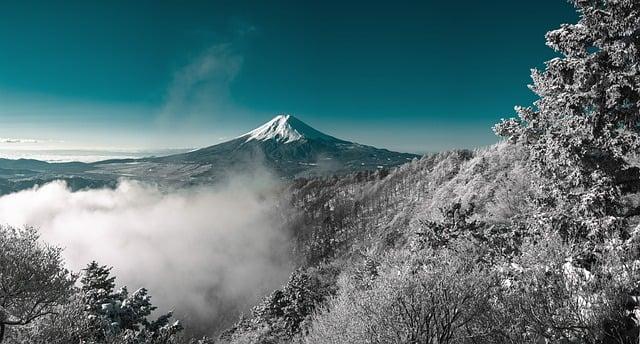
point(285, 145)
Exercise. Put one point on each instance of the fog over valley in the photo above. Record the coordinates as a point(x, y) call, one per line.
point(201, 250)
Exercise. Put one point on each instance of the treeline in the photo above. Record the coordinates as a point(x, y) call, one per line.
point(533, 240)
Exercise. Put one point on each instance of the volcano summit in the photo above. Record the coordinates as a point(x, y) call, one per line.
point(292, 148)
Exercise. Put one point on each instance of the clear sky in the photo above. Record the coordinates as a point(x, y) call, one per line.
point(409, 75)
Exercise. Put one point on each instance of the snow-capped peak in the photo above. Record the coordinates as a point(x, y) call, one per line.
point(285, 129)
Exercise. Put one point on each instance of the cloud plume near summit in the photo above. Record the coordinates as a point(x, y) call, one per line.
point(199, 92)
point(204, 251)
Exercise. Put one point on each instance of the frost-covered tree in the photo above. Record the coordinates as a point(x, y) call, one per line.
point(97, 287)
point(33, 280)
point(120, 316)
point(286, 312)
point(587, 120)
point(438, 296)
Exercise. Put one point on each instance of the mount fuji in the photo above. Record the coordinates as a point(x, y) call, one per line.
point(285, 146)
point(292, 148)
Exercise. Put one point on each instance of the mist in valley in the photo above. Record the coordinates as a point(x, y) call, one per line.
point(208, 252)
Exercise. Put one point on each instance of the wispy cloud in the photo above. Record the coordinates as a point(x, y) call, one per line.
point(201, 89)
point(14, 140)
point(198, 100)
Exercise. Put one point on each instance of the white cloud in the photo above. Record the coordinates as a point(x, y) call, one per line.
point(13, 140)
point(200, 90)
point(203, 251)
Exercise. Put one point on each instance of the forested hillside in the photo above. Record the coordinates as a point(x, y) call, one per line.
point(535, 239)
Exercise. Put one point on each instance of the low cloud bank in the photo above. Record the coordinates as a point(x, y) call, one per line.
point(207, 252)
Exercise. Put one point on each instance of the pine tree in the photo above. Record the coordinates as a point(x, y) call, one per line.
point(97, 287)
point(135, 309)
point(586, 123)
point(120, 313)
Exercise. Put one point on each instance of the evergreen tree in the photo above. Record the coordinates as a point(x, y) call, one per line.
point(122, 315)
point(135, 309)
point(97, 287)
point(586, 122)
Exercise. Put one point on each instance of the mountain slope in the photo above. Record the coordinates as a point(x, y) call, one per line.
point(291, 148)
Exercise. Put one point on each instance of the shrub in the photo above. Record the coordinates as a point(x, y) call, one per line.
point(33, 280)
point(436, 297)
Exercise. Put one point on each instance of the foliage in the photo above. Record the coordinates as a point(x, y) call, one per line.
point(586, 121)
point(33, 280)
point(121, 317)
point(339, 216)
point(498, 242)
point(286, 312)
point(434, 297)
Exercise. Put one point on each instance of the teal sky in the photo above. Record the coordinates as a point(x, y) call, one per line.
point(408, 75)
